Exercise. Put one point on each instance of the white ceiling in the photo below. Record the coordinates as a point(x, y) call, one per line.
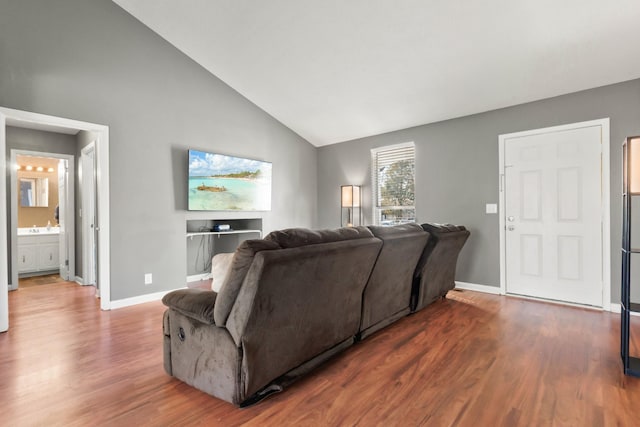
point(336, 70)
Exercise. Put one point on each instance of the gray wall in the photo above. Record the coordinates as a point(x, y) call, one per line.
point(457, 169)
point(91, 61)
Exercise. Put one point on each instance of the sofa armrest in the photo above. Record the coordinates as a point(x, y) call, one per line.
point(195, 303)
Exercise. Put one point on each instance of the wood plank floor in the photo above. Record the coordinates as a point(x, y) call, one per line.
point(27, 282)
point(471, 360)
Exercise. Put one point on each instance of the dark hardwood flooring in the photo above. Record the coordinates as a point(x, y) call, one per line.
point(471, 360)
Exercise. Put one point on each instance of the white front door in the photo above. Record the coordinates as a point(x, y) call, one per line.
point(553, 215)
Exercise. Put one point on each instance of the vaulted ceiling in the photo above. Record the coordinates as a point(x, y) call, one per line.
point(336, 70)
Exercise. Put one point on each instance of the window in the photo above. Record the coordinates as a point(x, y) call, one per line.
point(393, 178)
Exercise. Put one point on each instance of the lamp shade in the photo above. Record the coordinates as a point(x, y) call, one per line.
point(634, 165)
point(350, 196)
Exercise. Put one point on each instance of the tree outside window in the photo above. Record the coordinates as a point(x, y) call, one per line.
point(394, 178)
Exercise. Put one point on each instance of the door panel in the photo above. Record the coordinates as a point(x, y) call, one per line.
point(570, 258)
point(568, 194)
point(63, 211)
point(531, 255)
point(553, 211)
point(531, 206)
point(89, 252)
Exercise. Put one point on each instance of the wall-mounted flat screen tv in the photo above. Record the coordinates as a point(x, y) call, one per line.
point(224, 183)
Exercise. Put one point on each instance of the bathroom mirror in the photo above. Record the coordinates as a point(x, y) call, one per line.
point(34, 192)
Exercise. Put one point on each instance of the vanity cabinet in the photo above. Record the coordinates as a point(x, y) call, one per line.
point(27, 256)
point(48, 256)
point(38, 253)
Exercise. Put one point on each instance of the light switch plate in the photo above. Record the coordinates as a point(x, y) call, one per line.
point(492, 208)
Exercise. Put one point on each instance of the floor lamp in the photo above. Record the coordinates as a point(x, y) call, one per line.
point(351, 206)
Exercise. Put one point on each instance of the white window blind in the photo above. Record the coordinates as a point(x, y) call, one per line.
point(393, 170)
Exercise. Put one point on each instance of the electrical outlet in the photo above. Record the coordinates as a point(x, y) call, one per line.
point(148, 279)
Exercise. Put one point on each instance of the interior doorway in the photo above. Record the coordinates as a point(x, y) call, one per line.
point(42, 227)
point(17, 118)
point(554, 216)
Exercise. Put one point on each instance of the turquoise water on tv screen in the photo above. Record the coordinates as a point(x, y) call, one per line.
point(238, 194)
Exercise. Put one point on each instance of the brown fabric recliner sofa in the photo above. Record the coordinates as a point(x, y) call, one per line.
point(387, 296)
point(291, 301)
point(435, 273)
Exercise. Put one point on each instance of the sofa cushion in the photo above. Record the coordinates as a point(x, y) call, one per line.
point(240, 263)
point(220, 266)
point(194, 303)
point(296, 237)
point(395, 231)
point(387, 296)
point(442, 228)
point(435, 273)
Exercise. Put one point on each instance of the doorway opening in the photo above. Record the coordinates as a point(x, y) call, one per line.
point(99, 134)
point(42, 216)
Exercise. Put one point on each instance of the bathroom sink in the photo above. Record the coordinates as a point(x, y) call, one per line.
point(37, 230)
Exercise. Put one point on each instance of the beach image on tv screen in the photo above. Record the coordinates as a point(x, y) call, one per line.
point(225, 183)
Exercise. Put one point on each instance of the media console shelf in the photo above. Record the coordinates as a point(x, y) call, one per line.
point(220, 233)
point(203, 242)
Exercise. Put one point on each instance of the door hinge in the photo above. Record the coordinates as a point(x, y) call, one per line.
point(66, 262)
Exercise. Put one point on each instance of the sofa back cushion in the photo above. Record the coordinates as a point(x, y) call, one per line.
point(297, 303)
point(242, 259)
point(388, 293)
point(435, 273)
point(296, 237)
point(453, 238)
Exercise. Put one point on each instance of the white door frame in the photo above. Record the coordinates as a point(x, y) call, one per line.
point(27, 119)
point(14, 211)
point(606, 205)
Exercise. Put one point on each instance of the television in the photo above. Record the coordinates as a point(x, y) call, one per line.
point(218, 182)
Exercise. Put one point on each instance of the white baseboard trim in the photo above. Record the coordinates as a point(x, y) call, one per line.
point(478, 288)
point(127, 302)
point(616, 308)
point(198, 277)
point(79, 280)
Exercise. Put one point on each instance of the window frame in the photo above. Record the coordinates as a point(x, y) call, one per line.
point(375, 185)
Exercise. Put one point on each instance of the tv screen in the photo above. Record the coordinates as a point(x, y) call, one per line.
point(225, 183)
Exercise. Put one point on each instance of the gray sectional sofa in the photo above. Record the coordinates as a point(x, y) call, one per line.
point(288, 303)
point(436, 269)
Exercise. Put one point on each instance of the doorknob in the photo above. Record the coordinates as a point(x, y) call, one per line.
point(511, 219)
point(511, 228)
